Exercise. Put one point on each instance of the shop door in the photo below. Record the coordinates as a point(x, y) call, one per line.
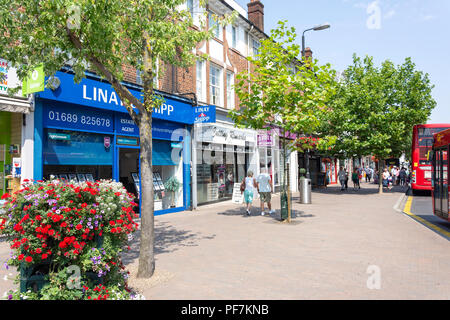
point(444, 185)
point(128, 172)
point(437, 182)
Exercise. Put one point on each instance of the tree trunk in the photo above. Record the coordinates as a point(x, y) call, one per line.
point(380, 176)
point(146, 253)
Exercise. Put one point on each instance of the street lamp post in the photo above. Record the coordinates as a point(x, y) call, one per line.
point(317, 28)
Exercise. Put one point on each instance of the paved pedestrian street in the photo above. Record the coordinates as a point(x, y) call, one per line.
point(332, 250)
point(345, 245)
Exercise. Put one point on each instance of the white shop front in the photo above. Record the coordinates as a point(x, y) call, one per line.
point(222, 155)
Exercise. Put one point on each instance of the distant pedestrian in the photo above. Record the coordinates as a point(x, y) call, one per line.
point(346, 179)
point(355, 179)
point(249, 184)
point(386, 175)
point(341, 176)
point(264, 186)
point(402, 176)
point(368, 174)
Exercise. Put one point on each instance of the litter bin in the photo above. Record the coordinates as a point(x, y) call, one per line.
point(305, 191)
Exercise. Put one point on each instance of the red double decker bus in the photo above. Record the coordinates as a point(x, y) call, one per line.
point(422, 142)
point(440, 187)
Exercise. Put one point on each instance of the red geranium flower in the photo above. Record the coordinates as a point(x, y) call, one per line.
point(28, 259)
point(5, 196)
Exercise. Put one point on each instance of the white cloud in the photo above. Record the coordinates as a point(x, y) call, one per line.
point(389, 14)
point(426, 17)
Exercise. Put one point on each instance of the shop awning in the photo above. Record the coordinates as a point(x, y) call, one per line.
point(10, 104)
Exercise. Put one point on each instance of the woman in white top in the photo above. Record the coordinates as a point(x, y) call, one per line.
point(386, 176)
point(250, 185)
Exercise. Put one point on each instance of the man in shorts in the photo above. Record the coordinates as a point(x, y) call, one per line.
point(264, 185)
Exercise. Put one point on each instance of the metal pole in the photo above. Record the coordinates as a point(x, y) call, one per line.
point(303, 44)
point(288, 193)
point(308, 176)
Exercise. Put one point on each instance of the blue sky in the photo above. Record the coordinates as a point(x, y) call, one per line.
point(405, 28)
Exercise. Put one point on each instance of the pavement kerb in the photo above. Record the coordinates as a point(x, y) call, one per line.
point(407, 210)
point(399, 204)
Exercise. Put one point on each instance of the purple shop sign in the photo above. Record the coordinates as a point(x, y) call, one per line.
point(265, 139)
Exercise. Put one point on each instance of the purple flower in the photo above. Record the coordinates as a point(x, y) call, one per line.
point(10, 297)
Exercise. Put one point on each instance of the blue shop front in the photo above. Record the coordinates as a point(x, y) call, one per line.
point(83, 133)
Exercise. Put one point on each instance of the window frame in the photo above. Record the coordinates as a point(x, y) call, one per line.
point(218, 86)
point(230, 90)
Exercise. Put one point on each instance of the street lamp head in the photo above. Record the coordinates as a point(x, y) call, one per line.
point(322, 27)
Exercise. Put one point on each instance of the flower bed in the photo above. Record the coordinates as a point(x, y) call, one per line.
point(66, 239)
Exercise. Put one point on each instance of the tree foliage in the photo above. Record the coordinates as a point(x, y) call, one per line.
point(375, 108)
point(283, 90)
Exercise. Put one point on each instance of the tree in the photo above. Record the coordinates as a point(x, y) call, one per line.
point(375, 108)
point(282, 90)
point(104, 35)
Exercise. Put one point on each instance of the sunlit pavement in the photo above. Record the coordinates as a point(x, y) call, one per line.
point(345, 245)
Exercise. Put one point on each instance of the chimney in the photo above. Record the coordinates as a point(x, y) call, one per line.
point(308, 52)
point(256, 13)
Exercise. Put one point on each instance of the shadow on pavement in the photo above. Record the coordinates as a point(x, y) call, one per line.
point(167, 239)
point(256, 212)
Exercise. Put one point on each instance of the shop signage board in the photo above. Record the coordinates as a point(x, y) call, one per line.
point(223, 135)
point(59, 136)
point(8, 78)
point(265, 139)
point(101, 95)
point(128, 141)
point(204, 114)
point(238, 196)
point(35, 81)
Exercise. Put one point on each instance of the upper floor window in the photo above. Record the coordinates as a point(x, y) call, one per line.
point(233, 37)
point(255, 47)
point(213, 24)
point(215, 85)
point(190, 7)
point(200, 81)
point(230, 90)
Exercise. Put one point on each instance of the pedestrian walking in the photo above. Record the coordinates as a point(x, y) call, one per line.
point(368, 174)
point(247, 186)
point(355, 179)
point(264, 187)
point(346, 179)
point(341, 177)
point(397, 176)
point(402, 176)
